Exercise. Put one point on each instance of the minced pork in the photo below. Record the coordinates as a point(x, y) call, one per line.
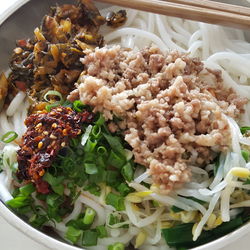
point(173, 109)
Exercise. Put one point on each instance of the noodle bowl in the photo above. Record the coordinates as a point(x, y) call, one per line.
point(219, 48)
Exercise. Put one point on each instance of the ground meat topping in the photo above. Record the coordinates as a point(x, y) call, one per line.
point(173, 110)
point(46, 134)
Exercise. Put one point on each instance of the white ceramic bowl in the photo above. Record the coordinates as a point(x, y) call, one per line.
point(51, 242)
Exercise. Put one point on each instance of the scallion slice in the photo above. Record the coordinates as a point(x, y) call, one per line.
point(9, 137)
point(53, 93)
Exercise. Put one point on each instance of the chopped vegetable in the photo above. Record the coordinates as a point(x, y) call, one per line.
point(116, 246)
point(9, 137)
point(116, 201)
point(73, 234)
point(89, 216)
point(243, 130)
point(89, 238)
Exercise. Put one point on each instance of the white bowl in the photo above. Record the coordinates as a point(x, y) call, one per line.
point(53, 243)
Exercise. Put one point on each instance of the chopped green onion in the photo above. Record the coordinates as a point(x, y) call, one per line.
point(96, 131)
point(90, 238)
point(124, 189)
point(93, 188)
point(102, 232)
point(116, 246)
point(128, 172)
point(89, 216)
point(173, 239)
point(115, 160)
point(112, 178)
point(102, 150)
point(86, 134)
point(53, 105)
point(243, 130)
point(9, 137)
point(90, 168)
point(245, 154)
point(55, 182)
point(115, 144)
point(27, 189)
point(53, 93)
point(78, 106)
point(54, 200)
point(100, 120)
point(116, 201)
point(90, 146)
point(247, 182)
point(38, 220)
point(73, 234)
point(18, 202)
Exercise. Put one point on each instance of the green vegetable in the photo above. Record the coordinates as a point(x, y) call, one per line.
point(245, 154)
point(102, 150)
point(90, 238)
point(116, 201)
point(89, 216)
point(73, 234)
point(27, 189)
point(9, 137)
point(53, 103)
point(173, 239)
point(93, 189)
point(18, 202)
point(90, 146)
point(90, 168)
point(115, 144)
point(243, 130)
point(112, 178)
point(53, 93)
point(78, 106)
point(116, 246)
point(38, 220)
point(124, 189)
point(101, 231)
point(55, 182)
point(100, 121)
point(96, 131)
point(128, 172)
point(116, 160)
point(247, 182)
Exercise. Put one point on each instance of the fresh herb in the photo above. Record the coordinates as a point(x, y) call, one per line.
point(116, 246)
point(9, 137)
point(89, 216)
point(128, 172)
point(101, 231)
point(173, 239)
point(89, 238)
point(245, 154)
point(116, 201)
point(78, 106)
point(55, 182)
point(124, 189)
point(243, 130)
point(247, 182)
point(56, 101)
point(27, 189)
point(73, 234)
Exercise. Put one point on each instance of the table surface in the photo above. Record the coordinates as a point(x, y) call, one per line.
point(12, 239)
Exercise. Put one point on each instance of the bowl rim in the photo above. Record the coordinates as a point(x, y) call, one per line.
point(53, 243)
